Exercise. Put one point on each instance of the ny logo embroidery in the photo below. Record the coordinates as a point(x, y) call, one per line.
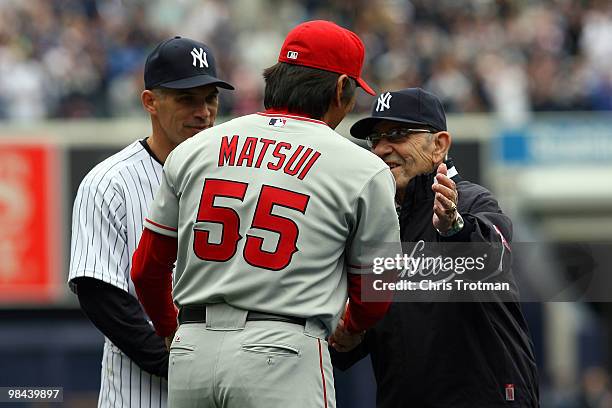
point(383, 102)
point(199, 55)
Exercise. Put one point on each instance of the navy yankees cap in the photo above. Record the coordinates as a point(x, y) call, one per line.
point(413, 106)
point(180, 63)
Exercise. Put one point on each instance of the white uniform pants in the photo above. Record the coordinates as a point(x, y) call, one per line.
point(229, 362)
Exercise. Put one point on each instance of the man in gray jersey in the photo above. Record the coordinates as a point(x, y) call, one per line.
point(272, 215)
point(181, 97)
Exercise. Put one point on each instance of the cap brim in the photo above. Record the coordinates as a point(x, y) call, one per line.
point(195, 81)
point(365, 126)
point(365, 86)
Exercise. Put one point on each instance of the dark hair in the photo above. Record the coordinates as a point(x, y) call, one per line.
point(302, 89)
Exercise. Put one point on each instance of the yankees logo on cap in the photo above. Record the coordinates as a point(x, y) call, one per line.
point(180, 63)
point(200, 55)
point(383, 102)
point(412, 106)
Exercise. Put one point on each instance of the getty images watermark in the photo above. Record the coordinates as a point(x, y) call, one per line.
point(444, 269)
point(485, 271)
point(447, 270)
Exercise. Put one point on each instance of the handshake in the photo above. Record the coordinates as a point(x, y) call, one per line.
point(342, 340)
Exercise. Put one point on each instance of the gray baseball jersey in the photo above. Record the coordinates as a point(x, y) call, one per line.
point(107, 222)
point(271, 212)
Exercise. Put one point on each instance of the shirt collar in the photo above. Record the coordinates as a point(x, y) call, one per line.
point(292, 115)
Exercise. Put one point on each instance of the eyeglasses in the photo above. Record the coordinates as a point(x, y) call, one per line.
point(393, 135)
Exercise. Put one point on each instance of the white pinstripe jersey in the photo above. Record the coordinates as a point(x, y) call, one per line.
point(271, 213)
point(107, 223)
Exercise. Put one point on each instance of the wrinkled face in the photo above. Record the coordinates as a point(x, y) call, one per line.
point(184, 112)
point(408, 154)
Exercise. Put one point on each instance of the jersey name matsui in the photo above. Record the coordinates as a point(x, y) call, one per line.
point(292, 159)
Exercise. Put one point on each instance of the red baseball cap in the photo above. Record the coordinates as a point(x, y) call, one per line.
point(325, 45)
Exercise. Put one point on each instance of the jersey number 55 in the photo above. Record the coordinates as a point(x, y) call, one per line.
point(263, 218)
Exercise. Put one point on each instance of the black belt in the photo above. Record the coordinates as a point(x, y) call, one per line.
point(197, 314)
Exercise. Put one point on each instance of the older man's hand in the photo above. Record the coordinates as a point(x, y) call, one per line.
point(342, 340)
point(445, 202)
point(168, 340)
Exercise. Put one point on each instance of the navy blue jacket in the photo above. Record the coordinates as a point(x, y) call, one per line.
point(462, 354)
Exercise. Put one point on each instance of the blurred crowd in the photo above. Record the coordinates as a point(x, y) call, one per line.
point(84, 58)
point(592, 391)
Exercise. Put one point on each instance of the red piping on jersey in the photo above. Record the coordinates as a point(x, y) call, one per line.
point(161, 226)
point(360, 266)
point(322, 373)
point(284, 113)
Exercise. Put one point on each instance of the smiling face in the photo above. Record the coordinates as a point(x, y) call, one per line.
point(407, 156)
point(181, 113)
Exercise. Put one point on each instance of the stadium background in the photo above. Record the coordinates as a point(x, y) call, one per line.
point(527, 86)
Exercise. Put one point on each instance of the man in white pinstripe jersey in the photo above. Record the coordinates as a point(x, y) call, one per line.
point(181, 97)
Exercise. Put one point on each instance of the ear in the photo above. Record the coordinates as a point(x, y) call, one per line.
point(442, 143)
point(340, 84)
point(149, 99)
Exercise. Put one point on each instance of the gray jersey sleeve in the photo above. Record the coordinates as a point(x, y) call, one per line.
point(376, 232)
point(163, 214)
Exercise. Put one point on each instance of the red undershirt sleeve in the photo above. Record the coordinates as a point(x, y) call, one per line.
point(360, 315)
point(151, 273)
